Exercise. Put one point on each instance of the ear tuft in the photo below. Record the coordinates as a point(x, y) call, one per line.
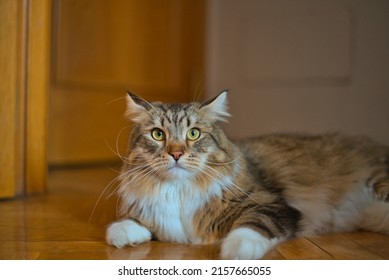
point(136, 108)
point(216, 108)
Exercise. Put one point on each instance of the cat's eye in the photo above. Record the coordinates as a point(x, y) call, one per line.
point(193, 134)
point(158, 134)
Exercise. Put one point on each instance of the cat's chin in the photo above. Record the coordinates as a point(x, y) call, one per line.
point(178, 172)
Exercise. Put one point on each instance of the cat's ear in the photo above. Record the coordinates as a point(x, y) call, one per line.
point(216, 108)
point(136, 108)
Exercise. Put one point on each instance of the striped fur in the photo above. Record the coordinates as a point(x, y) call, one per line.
point(249, 195)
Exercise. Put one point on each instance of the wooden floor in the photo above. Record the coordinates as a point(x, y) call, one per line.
point(63, 225)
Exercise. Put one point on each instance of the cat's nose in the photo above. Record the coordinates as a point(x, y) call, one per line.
point(176, 155)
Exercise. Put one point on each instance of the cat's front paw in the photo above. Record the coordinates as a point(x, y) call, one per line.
point(246, 244)
point(127, 232)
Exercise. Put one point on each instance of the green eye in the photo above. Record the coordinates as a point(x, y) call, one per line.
point(193, 134)
point(158, 134)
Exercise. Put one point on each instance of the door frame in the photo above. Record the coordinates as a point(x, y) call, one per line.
point(25, 54)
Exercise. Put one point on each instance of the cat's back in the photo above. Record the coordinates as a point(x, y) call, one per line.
point(320, 148)
point(308, 158)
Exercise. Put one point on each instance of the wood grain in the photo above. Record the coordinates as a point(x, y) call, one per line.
point(69, 223)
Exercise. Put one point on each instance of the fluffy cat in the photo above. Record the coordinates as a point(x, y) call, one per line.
point(184, 181)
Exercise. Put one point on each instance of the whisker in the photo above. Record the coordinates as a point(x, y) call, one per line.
point(133, 182)
point(198, 93)
point(232, 192)
point(207, 173)
point(116, 151)
point(107, 188)
point(115, 100)
point(147, 170)
point(220, 175)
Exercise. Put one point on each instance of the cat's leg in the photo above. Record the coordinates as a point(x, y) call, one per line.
point(245, 243)
point(258, 229)
point(127, 232)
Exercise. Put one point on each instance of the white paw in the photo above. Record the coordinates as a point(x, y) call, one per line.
point(246, 244)
point(126, 232)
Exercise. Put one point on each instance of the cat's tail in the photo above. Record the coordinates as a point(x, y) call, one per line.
point(376, 215)
point(378, 180)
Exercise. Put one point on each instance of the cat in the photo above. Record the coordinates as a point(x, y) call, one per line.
point(184, 181)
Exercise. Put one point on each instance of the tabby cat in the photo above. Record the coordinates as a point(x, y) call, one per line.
point(184, 181)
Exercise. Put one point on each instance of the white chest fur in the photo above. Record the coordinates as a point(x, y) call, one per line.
point(172, 206)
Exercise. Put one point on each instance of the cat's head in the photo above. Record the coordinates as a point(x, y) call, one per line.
point(178, 141)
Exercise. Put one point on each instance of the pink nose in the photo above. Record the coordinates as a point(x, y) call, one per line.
point(176, 155)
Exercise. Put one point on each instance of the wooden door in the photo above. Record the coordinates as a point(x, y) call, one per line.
point(305, 66)
point(101, 49)
point(24, 72)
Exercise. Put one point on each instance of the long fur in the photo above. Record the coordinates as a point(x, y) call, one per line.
point(249, 195)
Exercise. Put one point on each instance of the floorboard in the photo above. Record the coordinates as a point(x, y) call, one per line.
point(69, 221)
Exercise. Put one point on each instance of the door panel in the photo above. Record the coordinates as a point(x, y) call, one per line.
point(305, 66)
point(104, 48)
point(108, 43)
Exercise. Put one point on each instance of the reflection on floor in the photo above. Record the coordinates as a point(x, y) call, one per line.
point(69, 223)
